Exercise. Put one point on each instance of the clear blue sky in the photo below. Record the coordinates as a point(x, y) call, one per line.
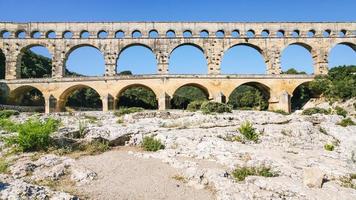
point(186, 59)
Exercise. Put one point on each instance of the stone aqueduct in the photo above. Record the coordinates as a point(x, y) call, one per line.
point(270, 39)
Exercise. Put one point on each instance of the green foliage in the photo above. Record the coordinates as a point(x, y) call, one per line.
point(209, 107)
point(4, 114)
point(339, 84)
point(127, 72)
point(34, 65)
point(347, 181)
point(241, 173)
point(84, 98)
point(301, 96)
point(311, 111)
point(346, 122)
point(340, 111)
point(4, 166)
point(95, 147)
point(247, 96)
point(151, 144)
point(293, 71)
point(124, 111)
point(7, 125)
point(185, 95)
point(329, 147)
point(195, 105)
point(280, 112)
point(247, 130)
point(138, 97)
point(33, 135)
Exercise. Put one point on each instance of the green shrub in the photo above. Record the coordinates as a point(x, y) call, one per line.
point(247, 130)
point(195, 105)
point(95, 147)
point(151, 144)
point(7, 125)
point(311, 111)
point(8, 113)
point(215, 107)
point(34, 135)
point(340, 111)
point(280, 112)
point(346, 122)
point(329, 147)
point(241, 173)
point(4, 166)
point(124, 111)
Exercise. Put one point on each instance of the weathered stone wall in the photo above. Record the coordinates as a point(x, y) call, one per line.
point(270, 39)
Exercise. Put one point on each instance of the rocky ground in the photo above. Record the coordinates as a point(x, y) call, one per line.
point(200, 154)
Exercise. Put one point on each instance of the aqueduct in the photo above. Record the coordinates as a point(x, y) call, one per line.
point(212, 38)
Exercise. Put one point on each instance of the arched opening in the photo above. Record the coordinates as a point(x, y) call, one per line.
point(327, 33)
point(36, 34)
point(84, 60)
point(250, 96)
point(137, 96)
point(301, 95)
point(235, 33)
point(5, 34)
point(204, 34)
point(342, 54)
point(102, 34)
point(297, 59)
point(51, 34)
point(2, 65)
point(243, 59)
point(280, 33)
point(84, 34)
point(170, 34)
point(136, 34)
point(153, 34)
point(138, 59)
point(119, 34)
point(27, 98)
point(67, 35)
point(187, 34)
point(295, 33)
point(220, 34)
point(265, 33)
point(21, 34)
point(311, 33)
point(250, 34)
point(188, 59)
point(81, 98)
point(188, 93)
point(35, 62)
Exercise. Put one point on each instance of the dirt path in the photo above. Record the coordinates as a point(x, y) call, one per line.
point(126, 177)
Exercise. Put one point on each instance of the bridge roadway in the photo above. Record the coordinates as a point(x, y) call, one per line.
point(278, 87)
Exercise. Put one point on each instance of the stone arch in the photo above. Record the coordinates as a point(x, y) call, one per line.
point(194, 47)
point(253, 47)
point(304, 46)
point(252, 86)
point(350, 45)
point(150, 94)
point(144, 46)
point(297, 99)
point(47, 46)
point(78, 46)
point(63, 98)
point(186, 93)
point(193, 84)
point(27, 95)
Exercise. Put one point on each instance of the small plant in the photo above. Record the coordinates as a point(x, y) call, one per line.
point(120, 121)
point(81, 126)
point(180, 178)
point(151, 144)
point(33, 135)
point(241, 173)
point(247, 130)
point(7, 125)
point(346, 122)
point(329, 147)
point(323, 131)
point(280, 112)
point(215, 107)
point(195, 105)
point(124, 111)
point(4, 166)
point(91, 119)
point(4, 114)
point(347, 181)
point(95, 147)
point(340, 111)
point(311, 111)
